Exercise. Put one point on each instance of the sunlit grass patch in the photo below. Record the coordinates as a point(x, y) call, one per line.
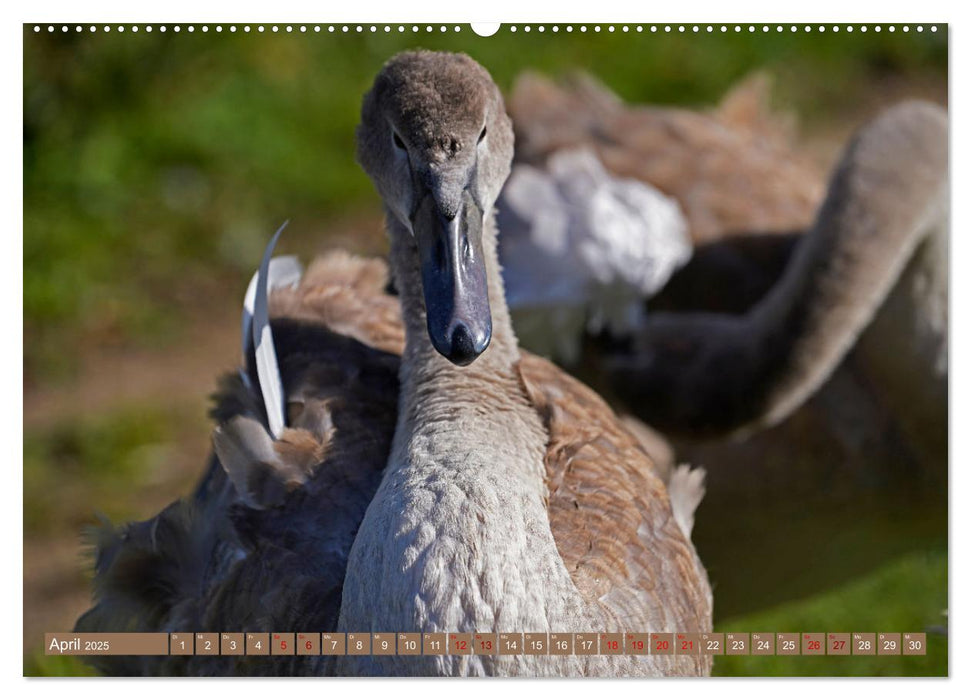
point(907, 595)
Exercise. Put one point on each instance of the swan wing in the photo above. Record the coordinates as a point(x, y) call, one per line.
point(610, 513)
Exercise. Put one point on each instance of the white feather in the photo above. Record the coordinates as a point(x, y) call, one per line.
point(285, 271)
point(575, 237)
point(267, 367)
point(686, 488)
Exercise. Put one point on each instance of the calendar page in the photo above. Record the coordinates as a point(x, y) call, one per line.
point(527, 349)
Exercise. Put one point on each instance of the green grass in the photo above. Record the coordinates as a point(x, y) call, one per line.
point(37, 664)
point(102, 463)
point(907, 595)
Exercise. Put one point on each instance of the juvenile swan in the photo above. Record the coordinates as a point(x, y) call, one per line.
point(482, 522)
point(513, 499)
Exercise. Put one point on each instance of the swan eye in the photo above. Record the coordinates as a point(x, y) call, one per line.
point(397, 140)
point(482, 135)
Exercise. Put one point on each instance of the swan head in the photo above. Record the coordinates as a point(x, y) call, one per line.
point(437, 142)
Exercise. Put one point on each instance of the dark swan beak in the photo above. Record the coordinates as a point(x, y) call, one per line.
point(453, 276)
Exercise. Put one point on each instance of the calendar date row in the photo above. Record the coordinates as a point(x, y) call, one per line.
point(489, 644)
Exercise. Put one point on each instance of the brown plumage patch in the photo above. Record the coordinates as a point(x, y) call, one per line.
point(746, 109)
point(303, 449)
point(346, 294)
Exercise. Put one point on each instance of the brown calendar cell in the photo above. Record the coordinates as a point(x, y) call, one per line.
point(434, 643)
point(536, 643)
point(662, 643)
point(712, 643)
point(638, 643)
point(763, 644)
point(888, 644)
point(914, 644)
point(585, 644)
point(485, 644)
point(737, 644)
point(358, 643)
point(611, 643)
point(864, 643)
point(382, 644)
point(308, 643)
point(409, 643)
point(813, 644)
point(686, 643)
point(838, 644)
point(510, 643)
point(787, 643)
point(207, 643)
point(231, 644)
point(333, 644)
point(181, 644)
point(460, 644)
point(561, 644)
point(281, 644)
point(257, 644)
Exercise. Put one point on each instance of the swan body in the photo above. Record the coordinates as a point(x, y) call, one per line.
point(437, 550)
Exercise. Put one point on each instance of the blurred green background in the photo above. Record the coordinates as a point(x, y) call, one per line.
point(155, 167)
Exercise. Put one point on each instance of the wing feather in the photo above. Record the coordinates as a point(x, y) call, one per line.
point(610, 512)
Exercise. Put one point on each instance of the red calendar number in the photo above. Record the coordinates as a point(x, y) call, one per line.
point(662, 643)
point(638, 643)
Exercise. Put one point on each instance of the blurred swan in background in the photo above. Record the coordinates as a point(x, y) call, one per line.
point(607, 201)
point(787, 283)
